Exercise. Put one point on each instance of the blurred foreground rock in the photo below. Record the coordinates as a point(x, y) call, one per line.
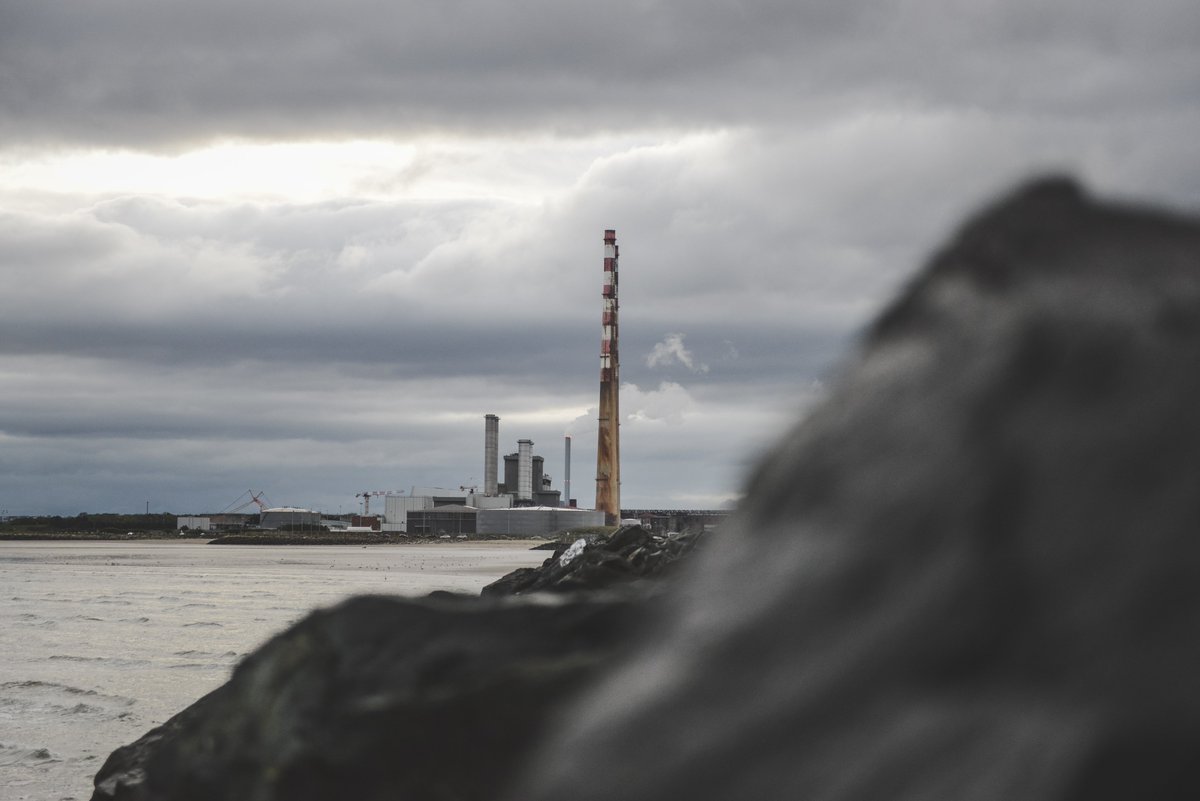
point(379, 698)
point(972, 573)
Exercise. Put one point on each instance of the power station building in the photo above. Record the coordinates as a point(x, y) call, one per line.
point(524, 504)
point(538, 491)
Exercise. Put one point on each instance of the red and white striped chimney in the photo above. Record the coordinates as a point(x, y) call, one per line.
point(608, 444)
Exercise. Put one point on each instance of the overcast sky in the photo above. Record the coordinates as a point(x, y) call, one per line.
point(304, 246)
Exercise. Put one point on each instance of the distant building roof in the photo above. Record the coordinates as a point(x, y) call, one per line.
point(540, 509)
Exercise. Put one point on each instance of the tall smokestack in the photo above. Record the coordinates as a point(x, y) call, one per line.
point(608, 443)
point(525, 469)
point(567, 471)
point(491, 453)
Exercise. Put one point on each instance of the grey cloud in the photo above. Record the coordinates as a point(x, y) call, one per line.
point(204, 282)
point(152, 72)
point(781, 245)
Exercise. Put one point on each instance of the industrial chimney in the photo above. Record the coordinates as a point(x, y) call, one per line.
point(608, 443)
point(491, 453)
point(567, 471)
point(524, 469)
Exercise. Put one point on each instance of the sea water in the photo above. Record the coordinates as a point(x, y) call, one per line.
point(101, 641)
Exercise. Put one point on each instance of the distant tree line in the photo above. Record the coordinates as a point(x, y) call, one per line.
point(100, 523)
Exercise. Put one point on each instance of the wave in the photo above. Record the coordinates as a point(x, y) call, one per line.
point(45, 685)
point(84, 709)
point(194, 654)
point(199, 666)
point(14, 755)
point(33, 688)
point(73, 658)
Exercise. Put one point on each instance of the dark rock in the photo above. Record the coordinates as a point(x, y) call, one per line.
point(627, 538)
point(516, 582)
point(379, 698)
point(972, 573)
point(597, 562)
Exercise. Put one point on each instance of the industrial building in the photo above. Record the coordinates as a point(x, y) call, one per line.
point(441, 520)
point(289, 517)
point(524, 504)
point(534, 521)
point(516, 521)
point(538, 490)
point(217, 522)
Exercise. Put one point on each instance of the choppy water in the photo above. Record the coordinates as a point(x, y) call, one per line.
point(99, 642)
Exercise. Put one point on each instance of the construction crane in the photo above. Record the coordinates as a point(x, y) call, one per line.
point(254, 499)
point(369, 494)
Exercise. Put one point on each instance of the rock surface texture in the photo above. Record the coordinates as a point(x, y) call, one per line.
point(379, 698)
point(973, 572)
point(593, 563)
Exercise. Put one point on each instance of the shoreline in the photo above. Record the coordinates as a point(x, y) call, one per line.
point(265, 538)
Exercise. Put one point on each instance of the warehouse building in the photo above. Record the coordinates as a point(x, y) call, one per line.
point(288, 517)
point(399, 510)
point(534, 521)
point(441, 520)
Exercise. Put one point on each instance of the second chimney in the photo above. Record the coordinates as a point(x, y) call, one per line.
point(491, 453)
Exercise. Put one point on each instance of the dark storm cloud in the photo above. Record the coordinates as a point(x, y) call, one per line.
point(121, 72)
point(431, 348)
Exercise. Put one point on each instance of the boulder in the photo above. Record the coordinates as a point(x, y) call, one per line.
point(379, 698)
point(972, 573)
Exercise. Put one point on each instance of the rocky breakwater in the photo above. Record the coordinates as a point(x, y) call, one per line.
point(598, 562)
point(972, 573)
